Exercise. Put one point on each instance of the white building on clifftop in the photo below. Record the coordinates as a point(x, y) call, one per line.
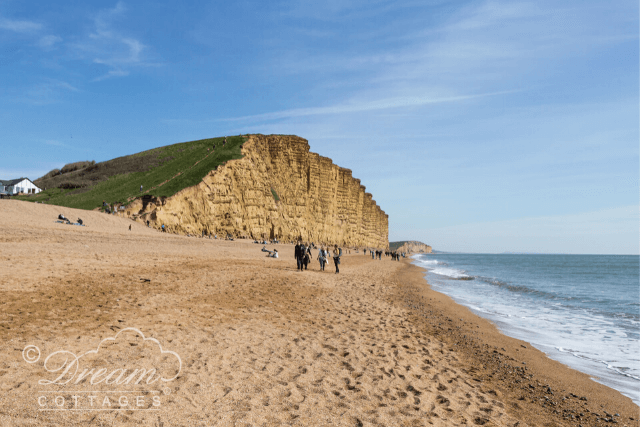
point(17, 186)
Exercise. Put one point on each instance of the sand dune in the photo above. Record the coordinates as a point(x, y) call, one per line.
point(259, 342)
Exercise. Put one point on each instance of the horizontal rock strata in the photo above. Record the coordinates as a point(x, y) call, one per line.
point(278, 190)
point(414, 247)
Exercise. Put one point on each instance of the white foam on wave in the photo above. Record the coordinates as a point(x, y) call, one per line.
point(587, 341)
point(449, 272)
point(609, 365)
point(424, 261)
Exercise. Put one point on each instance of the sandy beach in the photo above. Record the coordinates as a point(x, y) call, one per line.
point(259, 343)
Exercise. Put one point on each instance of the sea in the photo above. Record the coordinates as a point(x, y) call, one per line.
point(581, 310)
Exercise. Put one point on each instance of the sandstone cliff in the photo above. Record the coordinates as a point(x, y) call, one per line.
point(414, 247)
point(279, 189)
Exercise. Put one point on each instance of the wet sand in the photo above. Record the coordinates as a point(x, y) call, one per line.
point(259, 342)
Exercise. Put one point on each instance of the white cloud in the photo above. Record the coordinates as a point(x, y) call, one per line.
point(19, 26)
point(361, 105)
point(56, 143)
point(107, 46)
point(47, 92)
point(493, 13)
point(49, 41)
point(110, 74)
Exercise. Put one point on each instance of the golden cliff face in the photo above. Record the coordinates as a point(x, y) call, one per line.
point(279, 189)
point(414, 247)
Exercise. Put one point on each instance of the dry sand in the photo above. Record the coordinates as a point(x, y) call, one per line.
point(259, 342)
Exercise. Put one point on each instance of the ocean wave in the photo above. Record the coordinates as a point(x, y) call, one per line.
point(619, 370)
point(554, 301)
point(589, 311)
point(429, 261)
point(547, 295)
point(451, 272)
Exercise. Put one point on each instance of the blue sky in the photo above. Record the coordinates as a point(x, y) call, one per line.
point(482, 126)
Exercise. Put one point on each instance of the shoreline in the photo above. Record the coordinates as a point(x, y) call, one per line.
point(539, 388)
point(554, 332)
point(262, 343)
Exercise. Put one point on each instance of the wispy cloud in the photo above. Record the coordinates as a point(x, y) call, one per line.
point(19, 26)
point(107, 46)
point(476, 45)
point(348, 10)
point(48, 41)
point(112, 73)
point(355, 107)
point(56, 143)
point(33, 30)
point(349, 107)
point(47, 92)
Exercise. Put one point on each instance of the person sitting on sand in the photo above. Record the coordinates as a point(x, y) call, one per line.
point(79, 221)
point(274, 254)
point(264, 249)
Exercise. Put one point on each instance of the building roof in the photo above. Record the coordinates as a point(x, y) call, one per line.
point(12, 181)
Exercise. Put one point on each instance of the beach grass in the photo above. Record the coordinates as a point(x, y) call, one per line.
point(162, 172)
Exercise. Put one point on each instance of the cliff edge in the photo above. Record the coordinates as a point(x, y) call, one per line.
point(277, 190)
point(410, 247)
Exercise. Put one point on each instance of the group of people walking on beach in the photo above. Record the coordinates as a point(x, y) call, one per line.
point(303, 255)
point(377, 254)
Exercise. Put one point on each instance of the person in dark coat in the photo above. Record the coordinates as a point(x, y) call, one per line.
point(337, 252)
point(306, 260)
point(307, 257)
point(299, 254)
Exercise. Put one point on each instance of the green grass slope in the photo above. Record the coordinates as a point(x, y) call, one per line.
point(161, 171)
point(395, 245)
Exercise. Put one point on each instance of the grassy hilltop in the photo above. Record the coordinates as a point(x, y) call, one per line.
point(395, 245)
point(161, 171)
point(410, 246)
